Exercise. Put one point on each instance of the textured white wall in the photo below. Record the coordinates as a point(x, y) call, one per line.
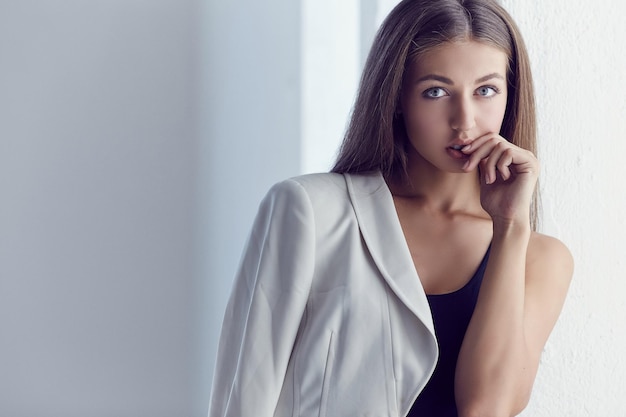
point(580, 76)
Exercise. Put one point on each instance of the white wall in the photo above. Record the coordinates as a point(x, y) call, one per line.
point(331, 62)
point(580, 76)
point(137, 138)
point(97, 191)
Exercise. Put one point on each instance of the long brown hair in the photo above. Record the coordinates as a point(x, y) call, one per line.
point(375, 138)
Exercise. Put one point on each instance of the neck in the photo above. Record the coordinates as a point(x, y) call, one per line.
point(437, 190)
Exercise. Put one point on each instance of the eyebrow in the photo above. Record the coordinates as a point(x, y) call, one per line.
point(445, 80)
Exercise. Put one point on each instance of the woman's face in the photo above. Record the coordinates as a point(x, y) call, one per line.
point(452, 95)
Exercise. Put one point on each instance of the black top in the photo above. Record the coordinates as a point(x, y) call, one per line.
point(451, 316)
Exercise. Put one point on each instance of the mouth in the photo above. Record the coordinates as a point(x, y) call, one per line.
point(455, 151)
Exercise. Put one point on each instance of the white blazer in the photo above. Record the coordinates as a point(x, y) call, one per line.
point(327, 315)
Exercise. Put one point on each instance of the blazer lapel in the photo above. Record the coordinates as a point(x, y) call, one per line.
point(382, 233)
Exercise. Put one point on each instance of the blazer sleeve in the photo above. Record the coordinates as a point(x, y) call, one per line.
point(266, 306)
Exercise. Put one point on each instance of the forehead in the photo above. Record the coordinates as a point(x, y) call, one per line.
point(460, 61)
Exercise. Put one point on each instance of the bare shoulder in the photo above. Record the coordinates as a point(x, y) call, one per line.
point(549, 257)
point(549, 270)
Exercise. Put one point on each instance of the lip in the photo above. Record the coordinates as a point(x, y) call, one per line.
point(460, 142)
point(456, 154)
point(457, 144)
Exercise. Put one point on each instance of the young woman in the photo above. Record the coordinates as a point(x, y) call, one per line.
point(411, 280)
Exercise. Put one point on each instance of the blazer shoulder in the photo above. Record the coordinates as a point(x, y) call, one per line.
point(319, 189)
point(320, 183)
point(309, 184)
point(335, 183)
point(328, 194)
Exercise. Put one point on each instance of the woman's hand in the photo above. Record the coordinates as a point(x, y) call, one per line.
point(508, 176)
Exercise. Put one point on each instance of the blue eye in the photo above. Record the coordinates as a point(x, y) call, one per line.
point(435, 92)
point(487, 91)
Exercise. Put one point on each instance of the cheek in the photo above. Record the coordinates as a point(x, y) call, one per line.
point(493, 117)
point(493, 122)
point(425, 121)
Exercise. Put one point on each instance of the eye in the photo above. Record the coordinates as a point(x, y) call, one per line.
point(487, 91)
point(435, 92)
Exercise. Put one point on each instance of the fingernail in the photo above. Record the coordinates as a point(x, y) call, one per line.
point(466, 148)
point(466, 164)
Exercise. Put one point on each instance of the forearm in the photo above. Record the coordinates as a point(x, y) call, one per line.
point(494, 366)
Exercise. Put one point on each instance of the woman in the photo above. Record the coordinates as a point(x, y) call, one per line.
point(411, 280)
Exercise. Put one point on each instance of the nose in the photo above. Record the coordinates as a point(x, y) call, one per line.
point(462, 118)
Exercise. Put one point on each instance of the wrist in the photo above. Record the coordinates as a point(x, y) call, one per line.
point(504, 227)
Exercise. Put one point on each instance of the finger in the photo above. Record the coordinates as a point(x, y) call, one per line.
point(480, 152)
point(486, 177)
point(525, 162)
point(482, 172)
point(504, 163)
point(479, 141)
point(491, 162)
